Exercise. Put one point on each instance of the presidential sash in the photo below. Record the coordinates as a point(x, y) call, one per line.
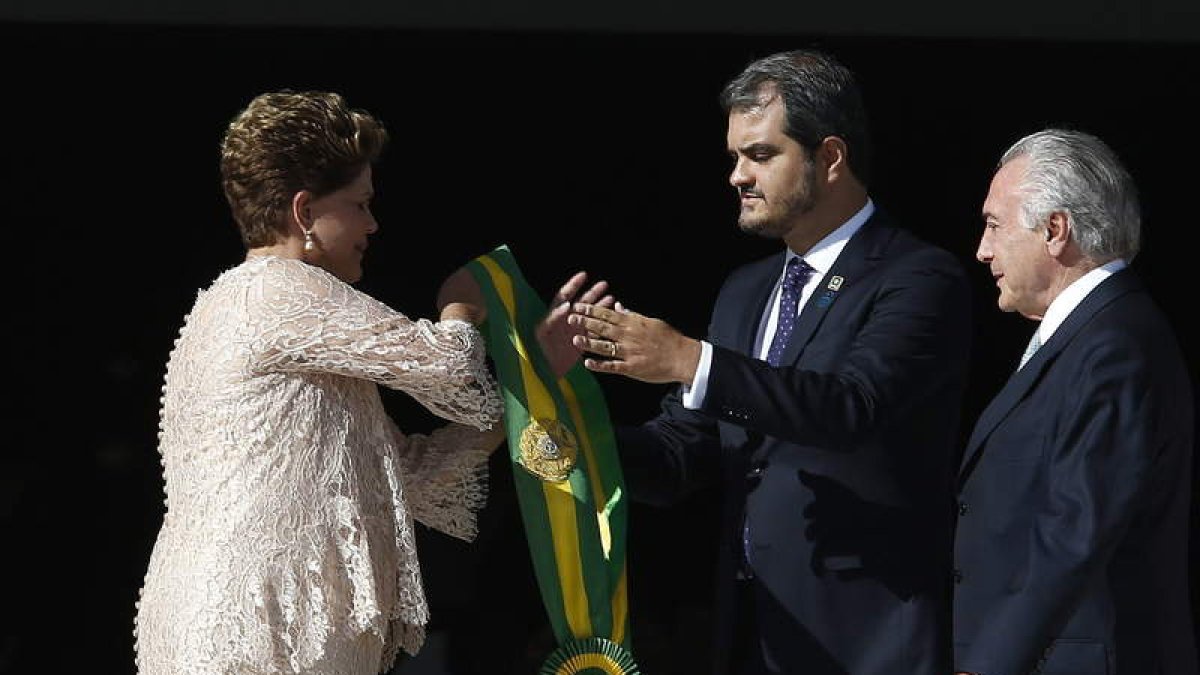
point(567, 476)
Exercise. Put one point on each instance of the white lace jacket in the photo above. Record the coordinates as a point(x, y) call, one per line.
point(290, 492)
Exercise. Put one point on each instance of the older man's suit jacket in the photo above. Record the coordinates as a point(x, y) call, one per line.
point(1071, 546)
point(840, 459)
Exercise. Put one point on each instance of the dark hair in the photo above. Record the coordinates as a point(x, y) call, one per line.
point(284, 142)
point(820, 96)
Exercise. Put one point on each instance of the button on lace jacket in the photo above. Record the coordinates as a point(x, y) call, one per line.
point(290, 493)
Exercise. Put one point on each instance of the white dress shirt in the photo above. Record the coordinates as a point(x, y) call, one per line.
point(1066, 302)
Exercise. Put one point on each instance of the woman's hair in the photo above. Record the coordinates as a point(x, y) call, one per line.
point(287, 141)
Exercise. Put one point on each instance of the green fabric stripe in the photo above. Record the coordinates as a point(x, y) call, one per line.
point(591, 552)
point(600, 575)
point(594, 411)
point(528, 487)
point(598, 581)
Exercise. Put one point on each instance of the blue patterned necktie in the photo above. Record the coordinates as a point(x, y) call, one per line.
point(794, 278)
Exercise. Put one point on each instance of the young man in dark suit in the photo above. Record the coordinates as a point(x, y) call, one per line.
point(824, 399)
point(1072, 536)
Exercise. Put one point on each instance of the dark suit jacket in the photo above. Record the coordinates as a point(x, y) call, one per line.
point(1075, 486)
point(841, 458)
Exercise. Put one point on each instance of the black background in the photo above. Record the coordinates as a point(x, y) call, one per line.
point(580, 149)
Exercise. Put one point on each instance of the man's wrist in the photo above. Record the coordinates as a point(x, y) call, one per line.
point(689, 361)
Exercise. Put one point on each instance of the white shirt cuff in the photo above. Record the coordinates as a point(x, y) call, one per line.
point(693, 396)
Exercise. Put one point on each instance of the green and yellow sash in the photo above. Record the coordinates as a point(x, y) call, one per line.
point(567, 475)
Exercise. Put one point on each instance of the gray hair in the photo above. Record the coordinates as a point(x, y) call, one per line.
point(1078, 174)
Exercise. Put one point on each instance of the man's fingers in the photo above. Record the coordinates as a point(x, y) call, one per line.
point(596, 365)
point(596, 311)
point(608, 301)
point(595, 327)
point(602, 366)
point(595, 345)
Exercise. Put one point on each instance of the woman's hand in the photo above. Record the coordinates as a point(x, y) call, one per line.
point(555, 334)
point(461, 298)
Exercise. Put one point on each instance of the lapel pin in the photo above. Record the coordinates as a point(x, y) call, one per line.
point(835, 283)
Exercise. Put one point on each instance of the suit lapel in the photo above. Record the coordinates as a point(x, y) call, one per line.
point(861, 253)
point(1021, 381)
point(754, 304)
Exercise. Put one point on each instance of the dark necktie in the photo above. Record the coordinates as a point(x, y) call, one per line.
point(794, 278)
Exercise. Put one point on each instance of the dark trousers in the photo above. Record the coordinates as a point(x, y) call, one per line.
point(767, 640)
point(747, 656)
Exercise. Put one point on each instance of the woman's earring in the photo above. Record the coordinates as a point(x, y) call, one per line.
point(309, 244)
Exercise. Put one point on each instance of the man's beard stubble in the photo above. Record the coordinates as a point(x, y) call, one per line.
point(794, 204)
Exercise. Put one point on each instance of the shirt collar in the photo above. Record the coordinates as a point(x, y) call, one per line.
point(825, 252)
point(1062, 306)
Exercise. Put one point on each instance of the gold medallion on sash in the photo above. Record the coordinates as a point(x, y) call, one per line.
point(548, 449)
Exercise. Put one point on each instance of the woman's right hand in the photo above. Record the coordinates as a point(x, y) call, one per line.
point(555, 334)
point(461, 298)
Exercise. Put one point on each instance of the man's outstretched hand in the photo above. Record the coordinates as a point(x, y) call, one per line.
point(636, 346)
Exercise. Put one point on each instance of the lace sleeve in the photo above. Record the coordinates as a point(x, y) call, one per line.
point(311, 321)
point(444, 476)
